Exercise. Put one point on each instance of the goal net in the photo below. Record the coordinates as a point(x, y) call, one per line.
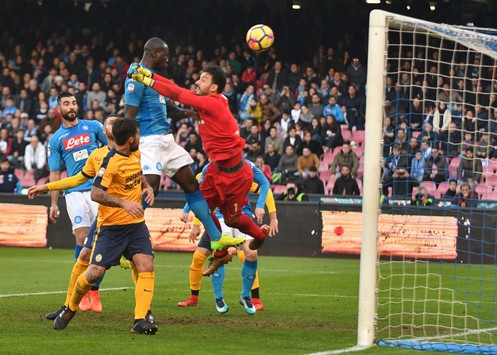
point(429, 279)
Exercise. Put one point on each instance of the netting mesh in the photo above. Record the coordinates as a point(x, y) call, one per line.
point(437, 243)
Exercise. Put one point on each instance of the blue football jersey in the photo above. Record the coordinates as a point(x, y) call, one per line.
point(72, 146)
point(152, 111)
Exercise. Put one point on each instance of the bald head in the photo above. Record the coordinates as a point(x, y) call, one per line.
point(155, 54)
point(154, 44)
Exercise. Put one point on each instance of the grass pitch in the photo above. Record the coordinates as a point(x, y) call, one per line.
point(310, 306)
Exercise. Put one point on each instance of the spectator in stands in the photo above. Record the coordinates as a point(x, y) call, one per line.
point(97, 94)
point(5, 142)
point(253, 144)
point(401, 140)
point(19, 144)
point(285, 100)
point(255, 110)
point(295, 112)
point(91, 73)
point(35, 159)
point(193, 142)
point(339, 83)
point(467, 142)
point(202, 162)
point(244, 103)
point(416, 114)
point(306, 161)
point(332, 108)
point(314, 146)
point(346, 184)
point(428, 135)
point(287, 165)
point(469, 167)
point(182, 134)
point(9, 182)
point(316, 107)
point(230, 94)
point(441, 118)
point(266, 169)
point(418, 167)
point(466, 198)
point(451, 140)
point(395, 163)
point(316, 130)
point(269, 110)
point(422, 198)
point(293, 139)
point(346, 157)
point(271, 157)
point(306, 116)
point(331, 133)
point(451, 190)
point(357, 75)
point(425, 149)
point(485, 148)
point(277, 77)
point(413, 147)
point(274, 140)
point(437, 168)
point(356, 107)
point(245, 129)
point(293, 192)
point(388, 136)
point(313, 184)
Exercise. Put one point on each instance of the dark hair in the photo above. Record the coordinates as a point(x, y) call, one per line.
point(62, 95)
point(124, 128)
point(218, 76)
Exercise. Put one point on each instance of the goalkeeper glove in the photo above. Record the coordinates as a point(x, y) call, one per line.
point(140, 74)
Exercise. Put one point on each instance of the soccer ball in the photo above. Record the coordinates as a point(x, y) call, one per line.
point(260, 38)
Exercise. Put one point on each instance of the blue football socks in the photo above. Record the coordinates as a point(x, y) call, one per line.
point(199, 207)
point(249, 269)
point(77, 250)
point(217, 282)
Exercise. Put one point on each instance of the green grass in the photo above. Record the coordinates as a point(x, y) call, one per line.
point(311, 306)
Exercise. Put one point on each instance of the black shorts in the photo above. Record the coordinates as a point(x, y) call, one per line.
point(90, 237)
point(112, 242)
point(204, 242)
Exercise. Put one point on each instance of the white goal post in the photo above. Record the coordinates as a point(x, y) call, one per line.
point(465, 40)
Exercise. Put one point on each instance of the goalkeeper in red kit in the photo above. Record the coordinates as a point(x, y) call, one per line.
point(228, 179)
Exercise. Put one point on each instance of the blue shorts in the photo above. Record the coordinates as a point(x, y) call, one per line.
point(113, 241)
point(90, 237)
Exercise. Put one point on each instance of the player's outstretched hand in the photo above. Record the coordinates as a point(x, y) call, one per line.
point(54, 213)
point(259, 214)
point(134, 209)
point(148, 192)
point(194, 233)
point(36, 190)
point(184, 217)
point(273, 224)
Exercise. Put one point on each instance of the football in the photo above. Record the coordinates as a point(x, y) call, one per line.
point(260, 38)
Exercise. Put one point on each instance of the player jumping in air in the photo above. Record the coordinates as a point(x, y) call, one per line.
point(228, 178)
point(160, 153)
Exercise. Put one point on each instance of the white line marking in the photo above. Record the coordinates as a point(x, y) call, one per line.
point(57, 292)
point(341, 351)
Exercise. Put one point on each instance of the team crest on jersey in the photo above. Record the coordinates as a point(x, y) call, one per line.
point(78, 219)
point(159, 166)
point(101, 172)
point(98, 258)
point(85, 128)
point(131, 87)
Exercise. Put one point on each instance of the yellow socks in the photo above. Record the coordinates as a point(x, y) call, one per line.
point(196, 270)
point(81, 287)
point(79, 267)
point(144, 291)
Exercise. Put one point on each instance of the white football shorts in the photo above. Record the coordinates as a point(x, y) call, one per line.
point(81, 209)
point(161, 154)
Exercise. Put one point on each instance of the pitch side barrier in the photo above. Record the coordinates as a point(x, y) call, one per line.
point(323, 227)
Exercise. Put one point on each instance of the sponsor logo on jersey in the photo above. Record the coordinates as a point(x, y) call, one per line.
point(80, 155)
point(146, 167)
point(131, 87)
point(77, 141)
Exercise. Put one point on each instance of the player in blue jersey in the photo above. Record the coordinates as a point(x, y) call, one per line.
point(160, 153)
point(246, 255)
point(71, 145)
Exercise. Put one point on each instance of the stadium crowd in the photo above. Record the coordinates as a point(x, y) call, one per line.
point(303, 119)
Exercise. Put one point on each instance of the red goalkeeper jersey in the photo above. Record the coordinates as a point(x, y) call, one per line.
point(218, 128)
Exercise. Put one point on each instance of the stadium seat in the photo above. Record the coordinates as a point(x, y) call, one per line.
point(358, 137)
point(279, 189)
point(323, 166)
point(325, 176)
point(165, 182)
point(492, 164)
point(491, 180)
point(28, 179)
point(482, 189)
point(430, 186)
point(442, 188)
point(487, 171)
point(337, 150)
point(346, 135)
point(453, 166)
point(416, 134)
point(327, 158)
point(19, 173)
point(331, 181)
point(358, 150)
point(489, 195)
